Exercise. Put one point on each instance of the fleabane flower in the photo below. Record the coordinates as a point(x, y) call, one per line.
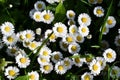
point(33, 75)
point(37, 16)
point(48, 16)
point(98, 11)
point(87, 76)
point(79, 38)
point(63, 45)
point(22, 60)
point(68, 63)
point(71, 22)
point(115, 72)
point(11, 72)
point(109, 55)
point(73, 29)
point(70, 14)
point(42, 60)
point(29, 35)
point(60, 29)
point(84, 19)
point(102, 62)
point(111, 22)
point(39, 5)
point(7, 28)
point(83, 30)
point(105, 30)
point(50, 1)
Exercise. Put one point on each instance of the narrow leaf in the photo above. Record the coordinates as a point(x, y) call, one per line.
point(26, 77)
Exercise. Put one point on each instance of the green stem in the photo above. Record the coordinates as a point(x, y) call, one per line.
point(104, 23)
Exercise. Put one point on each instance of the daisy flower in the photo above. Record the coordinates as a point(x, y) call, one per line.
point(105, 30)
point(38, 31)
point(39, 5)
point(115, 72)
point(51, 1)
point(42, 60)
point(79, 38)
point(102, 62)
point(88, 59)
point(56, 56)
point(117, 40)
point(92, 1)
point(22, 60)
point(98, 11)
point(84, 19)
point(33, 75)
point(109, 55)
point(73, 29)
point(48, 16)
point(60, 29)
point(37, 16)
point(60, 68)
point(52, 38)
point(68, 38)
point(83, 30)
point(45, 51)
point(31, 13)
point(87, 76)
point(11, 72)
point(63, 45)
point(10, 40)
point(95, 67)
point(46, 68)
point(21, 36)
point(77, 60)
point(7, 28)
point(74, 48)
point(68, 63)
point(71, 22)
point(26, 43)
point(111, 22)
point(70, 14)
point(29, 35)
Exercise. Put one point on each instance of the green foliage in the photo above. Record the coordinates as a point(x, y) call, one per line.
point(25, 77)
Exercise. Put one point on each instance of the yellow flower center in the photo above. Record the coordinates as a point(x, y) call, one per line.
point(46, 17)
point(101, 62)
point(45, 53)
point(95, 67)
point(60, 67)
point(67, 63)
point(74, 48)
point(7, 29)
point(99, 11)
point(86, 77)
point(88, 59)
point(28, 36)
point(39, 6)
point(23, 60)
point(37, 16)
point(84, 29)
point(56, 57)
point(60, 29)
point(32, 77)
point(43, 60)
point(109, 55)
point(27, 43)
point(47, 67)
point(77, 60)
point(69, 39)
point(109, 21)
point(71, 15)
point(13, 51)
point(33, 45)
point(73, 30)
point(10, 39)
point(11, 72)
point(64, 45)
point(114, 72)
point(79, 38)
point(52, 36)
point(72, 22)
point(21, 37)
point(84, 20)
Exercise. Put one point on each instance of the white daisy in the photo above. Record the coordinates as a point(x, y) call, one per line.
point(51, 1)
point(105, 30)
point(83, 30)
point(29, 35)
point(115, 72)
point(26, 43)
point(60, 29)
point(84, 19)
point(68, 63)
point(7, 28)
point(74, 48)
point(87, 76)
point(42, 60)
point(70, 14)
point(102, 62)
point(117, 40)
point(71, 22)
point(31, 13)
point(46, 68)
point(45, 51)
point(22, 60)
point(109, 55)
point(52, 38)
point(37, 16)
point(21, 36)
point(33, 75)
point(111, 22)
point(77, 60)
point(63, 45)
point(38, 31)
point(33, 45)
point(10, 40)
point(95, 67)
point(88, 59)
point(11, 72)
point(73, 29)
point(48, 16)
point(39, 5)
point(56, 56)
point(79, 38)
point(60, 68)
point(92, 1)
point(98, 11)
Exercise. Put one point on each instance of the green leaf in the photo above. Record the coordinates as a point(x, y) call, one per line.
point(25, 77)
point(74, 77)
